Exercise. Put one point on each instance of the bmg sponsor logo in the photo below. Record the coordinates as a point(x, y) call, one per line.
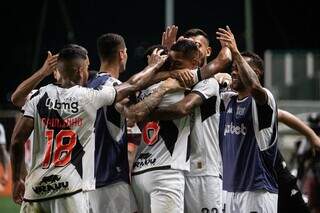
point(69, 106)
point(50, 184)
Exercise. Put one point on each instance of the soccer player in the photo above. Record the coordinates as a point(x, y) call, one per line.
point(204, 179)
point(4, 157)
point(113, 192)
point(63, 116)
point(249, 135)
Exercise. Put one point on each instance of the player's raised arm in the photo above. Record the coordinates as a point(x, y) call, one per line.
point(141, 79)
point(169, 36)
point(295, 123)
point(20, 134)
point(219, 64)
point(19, 96)
point(246, 72)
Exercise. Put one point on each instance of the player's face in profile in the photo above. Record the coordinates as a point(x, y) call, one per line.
point(85, 71)
point(236, 84)
point(178, 61)
point(203, 46)
point(124, 58)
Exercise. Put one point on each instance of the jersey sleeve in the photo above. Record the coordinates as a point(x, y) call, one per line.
point(265, 122)
point(2, 135)
point(105, 96)
point(29, 108)
point(206, 88)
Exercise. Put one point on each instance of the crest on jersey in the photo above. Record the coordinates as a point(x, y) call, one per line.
point(150, 133)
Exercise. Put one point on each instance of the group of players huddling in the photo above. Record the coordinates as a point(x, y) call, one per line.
point(170, 139)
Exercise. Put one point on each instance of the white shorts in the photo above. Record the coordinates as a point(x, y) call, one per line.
point(259, 201)
point(203, 194)
point(117, 198)
point(159, 191)
point(77, 203)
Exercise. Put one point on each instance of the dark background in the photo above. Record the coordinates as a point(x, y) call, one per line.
point(276, 24)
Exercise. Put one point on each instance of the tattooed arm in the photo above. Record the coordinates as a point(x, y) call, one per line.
point(246, 72)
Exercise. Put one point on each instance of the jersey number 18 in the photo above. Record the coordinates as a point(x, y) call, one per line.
point(62, 151)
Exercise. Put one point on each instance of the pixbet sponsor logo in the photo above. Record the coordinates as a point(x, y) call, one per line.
point(235, 130)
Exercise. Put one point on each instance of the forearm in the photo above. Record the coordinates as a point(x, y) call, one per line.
point(168, 113)
point(219, 64)
point(296, 124)
point(147, 105)
point(136, 82)
point(17, 160)
point(19, 96)
point(247, 75)
point(159, 76)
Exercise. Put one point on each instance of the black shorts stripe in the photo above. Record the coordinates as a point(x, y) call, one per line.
point(54, 197)
point(151, 169)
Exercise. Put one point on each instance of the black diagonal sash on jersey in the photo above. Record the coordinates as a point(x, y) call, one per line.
point(208, 108)
point(45, 113)
point(169, 133)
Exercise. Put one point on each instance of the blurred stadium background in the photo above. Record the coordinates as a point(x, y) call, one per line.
point(282, 32)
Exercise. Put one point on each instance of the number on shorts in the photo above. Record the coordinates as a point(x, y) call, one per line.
point(62, 153)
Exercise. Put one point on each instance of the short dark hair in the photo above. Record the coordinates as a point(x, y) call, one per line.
point(255, 62)
point(196, 32)
point(72, 51)
point(108, 46)
point(70, 56)
point(186, 47)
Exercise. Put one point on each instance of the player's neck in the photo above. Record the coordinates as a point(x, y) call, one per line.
point(112, 69)
point(67, 83)
point(243, 94)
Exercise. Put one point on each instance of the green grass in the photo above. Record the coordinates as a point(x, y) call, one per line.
point(8, 206)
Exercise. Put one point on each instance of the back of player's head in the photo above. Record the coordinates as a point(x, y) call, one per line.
point(255, 62)
point(108, 46)
point(186, 47)
point(71, 58)
point(196, 32)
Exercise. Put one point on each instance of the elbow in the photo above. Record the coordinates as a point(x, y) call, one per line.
point(17, 101)
point(185, 109)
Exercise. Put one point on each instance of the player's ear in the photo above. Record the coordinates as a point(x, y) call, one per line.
point(209, 51)
point(121, 54)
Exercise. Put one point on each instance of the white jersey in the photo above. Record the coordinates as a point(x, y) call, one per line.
point(205, 158)
point(2, 135)
point(63, 145)
point(164, 144)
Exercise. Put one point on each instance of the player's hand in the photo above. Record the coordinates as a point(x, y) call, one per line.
point(18, 191)
point(156, 59)
point(185, 76)
point(169, 36)
point(223, 79)
point(227, 39)
point(315, 141)
point(50, 64)
point(172, 85)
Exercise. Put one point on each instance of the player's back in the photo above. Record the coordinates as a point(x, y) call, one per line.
point(111, 145)
point(63, 143)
